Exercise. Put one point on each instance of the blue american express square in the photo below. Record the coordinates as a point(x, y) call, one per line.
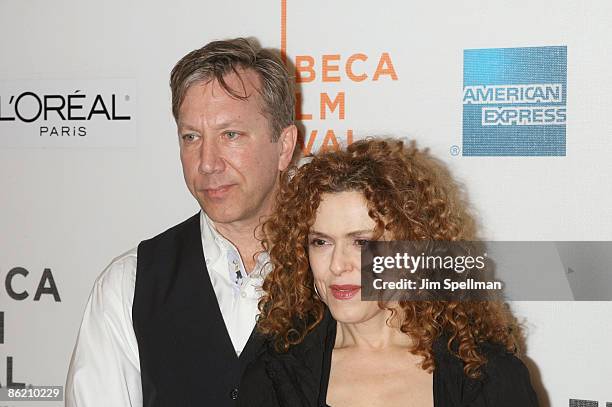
point(514, 101)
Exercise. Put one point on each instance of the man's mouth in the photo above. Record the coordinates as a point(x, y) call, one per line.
point(217, 192)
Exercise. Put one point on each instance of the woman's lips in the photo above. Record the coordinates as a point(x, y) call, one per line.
point(344, 291)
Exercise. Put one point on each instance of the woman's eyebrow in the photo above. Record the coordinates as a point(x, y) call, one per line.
point(314, 232)
point(360, 232)
point(350, 234)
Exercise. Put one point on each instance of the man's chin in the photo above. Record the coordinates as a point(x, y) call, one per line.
point(220, 213)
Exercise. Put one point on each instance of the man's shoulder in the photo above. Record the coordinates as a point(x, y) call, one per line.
point(176, 229)
point(117, 279)
point(173, 232)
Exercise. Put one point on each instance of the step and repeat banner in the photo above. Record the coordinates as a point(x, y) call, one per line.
point(512, 96)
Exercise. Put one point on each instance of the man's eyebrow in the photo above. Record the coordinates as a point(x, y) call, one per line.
point(220, 125)
point(185, 126)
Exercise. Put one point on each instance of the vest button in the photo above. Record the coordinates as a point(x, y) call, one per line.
point(234, 394)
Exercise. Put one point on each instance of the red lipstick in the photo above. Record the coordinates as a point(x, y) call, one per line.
point(344, 291)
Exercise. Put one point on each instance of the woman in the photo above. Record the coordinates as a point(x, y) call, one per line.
point(404, 353)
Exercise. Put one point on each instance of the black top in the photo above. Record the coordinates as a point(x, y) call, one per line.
point(299, 378)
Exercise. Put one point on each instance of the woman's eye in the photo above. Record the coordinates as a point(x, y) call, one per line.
point(361, 242)
point(317, 242)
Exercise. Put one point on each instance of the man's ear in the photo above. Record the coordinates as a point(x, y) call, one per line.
point(287, 140)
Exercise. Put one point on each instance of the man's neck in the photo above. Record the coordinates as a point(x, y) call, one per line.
point(242, 235)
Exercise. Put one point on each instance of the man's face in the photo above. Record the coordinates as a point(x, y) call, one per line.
point(230, 162)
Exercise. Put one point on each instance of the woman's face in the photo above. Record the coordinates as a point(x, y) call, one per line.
point(342, 226)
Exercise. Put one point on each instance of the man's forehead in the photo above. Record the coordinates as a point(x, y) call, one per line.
point(239, 84)
point(242, 87)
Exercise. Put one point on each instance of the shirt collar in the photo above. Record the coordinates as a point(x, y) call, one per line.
point(214, 245)
point(263, 266)
point(212, 241)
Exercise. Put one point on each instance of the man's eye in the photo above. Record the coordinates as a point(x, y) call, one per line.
point(231, 135)
point(361, 242)
point(189, 137)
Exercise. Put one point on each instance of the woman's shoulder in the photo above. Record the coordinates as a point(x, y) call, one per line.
point(504, 379)
point(295, 375)
point(507, 380)
point(501, 361)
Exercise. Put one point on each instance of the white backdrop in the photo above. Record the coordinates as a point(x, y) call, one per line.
point(72, 203)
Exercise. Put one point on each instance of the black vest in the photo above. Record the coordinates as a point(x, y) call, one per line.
point(186, 355)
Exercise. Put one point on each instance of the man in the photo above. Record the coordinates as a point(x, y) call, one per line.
point(170, 324)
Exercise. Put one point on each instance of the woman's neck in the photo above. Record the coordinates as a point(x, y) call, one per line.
point(376, 333)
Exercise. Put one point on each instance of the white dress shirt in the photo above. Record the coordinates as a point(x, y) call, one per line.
point(105, 366)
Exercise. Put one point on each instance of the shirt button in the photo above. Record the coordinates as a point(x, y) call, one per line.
point(243, 294)
point(234, 394)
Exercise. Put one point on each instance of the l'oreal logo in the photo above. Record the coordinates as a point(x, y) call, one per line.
point(29, 107)
point(73, 113)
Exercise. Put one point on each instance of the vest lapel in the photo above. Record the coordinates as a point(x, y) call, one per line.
point(251, 349)
point(193, 262)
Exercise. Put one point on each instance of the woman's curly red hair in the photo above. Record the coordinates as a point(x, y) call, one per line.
point(417, 197)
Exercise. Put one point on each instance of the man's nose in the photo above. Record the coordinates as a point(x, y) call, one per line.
point(211, 158)
point(343, 261)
